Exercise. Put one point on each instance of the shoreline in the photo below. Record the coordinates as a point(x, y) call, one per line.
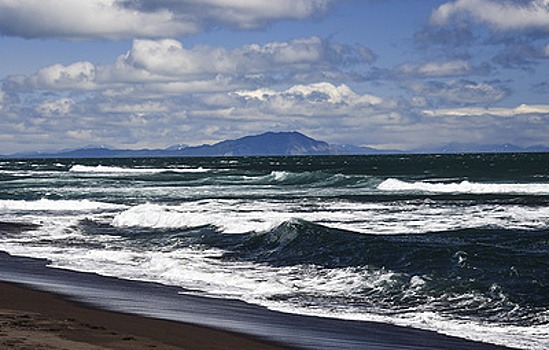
point(162, 316)
point(32, 318)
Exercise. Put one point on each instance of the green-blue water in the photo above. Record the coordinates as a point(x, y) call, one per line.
point(453, 243)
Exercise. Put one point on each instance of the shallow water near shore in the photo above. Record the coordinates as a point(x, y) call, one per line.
point(456, 244)
point(158, 301)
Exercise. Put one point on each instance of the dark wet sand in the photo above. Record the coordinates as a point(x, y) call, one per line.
point(31, 319)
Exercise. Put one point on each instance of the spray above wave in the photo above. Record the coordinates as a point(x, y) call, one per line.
point(465, 187)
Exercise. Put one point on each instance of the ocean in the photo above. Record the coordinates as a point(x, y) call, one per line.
point(457, 244)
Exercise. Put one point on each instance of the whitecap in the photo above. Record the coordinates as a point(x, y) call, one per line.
point(101, 169)
point(56, 205)
point(395, 185)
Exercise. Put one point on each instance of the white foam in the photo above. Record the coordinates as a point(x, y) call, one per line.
point(395, 185)
point(519, 337)
point(279, 175)
point(101, 169)
point(56, 205)
point(234, 216)
point(200, 270)
point(225, 215)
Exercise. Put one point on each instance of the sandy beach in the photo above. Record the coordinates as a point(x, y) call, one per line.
point(31, 319)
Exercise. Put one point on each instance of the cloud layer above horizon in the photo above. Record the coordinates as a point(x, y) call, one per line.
point(162, 91)
point(128, 19)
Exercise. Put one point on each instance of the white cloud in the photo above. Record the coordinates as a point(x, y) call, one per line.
point(61, 106)
point(169, 58)
point(216, 84)
point(341, 94)
point(160, 87)
point(81, 135)
point(165, 65)
point(436, 69)
point(122, 19)
point(87, 19)
point(157, 59)
point(134, 108)
point(314, 94)
point(320, 106)
point(79, 75)
point(502, 15)
point(496, 112)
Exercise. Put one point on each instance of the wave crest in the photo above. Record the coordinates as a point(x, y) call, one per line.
point(56, 205)
point(194, 215)
point(102, 169)
point(463, 187)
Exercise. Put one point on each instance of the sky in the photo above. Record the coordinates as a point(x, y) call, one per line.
point(389, 74)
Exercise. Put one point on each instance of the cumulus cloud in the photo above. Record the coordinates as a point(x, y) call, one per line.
point(61, 106)
point(521, 110)
point(458, 91)
point(318, 93)
point(87, 19)
point(166, 66)
point(122, 19)
point(169, 57)
point(321, 105)
point(503, 15)
point(162, 88)
point(79, 76)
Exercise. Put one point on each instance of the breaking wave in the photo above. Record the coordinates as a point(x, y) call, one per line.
point(56, 205)
point(101, 169)
point(243, 216)
point(464, 187)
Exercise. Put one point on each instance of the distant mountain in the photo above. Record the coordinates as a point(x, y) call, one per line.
point(479, 148)
point(266, 144)
point(269, 144)
point(92, 152)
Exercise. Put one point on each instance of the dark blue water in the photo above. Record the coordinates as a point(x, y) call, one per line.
point(452, 243)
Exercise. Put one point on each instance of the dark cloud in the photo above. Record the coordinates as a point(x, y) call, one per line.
point(501, 15)
point(456, 36)
point(124, 19)
point(458, 92)
point(511, 31)
point(238, 14)
point(518, 51)
point(540, 88)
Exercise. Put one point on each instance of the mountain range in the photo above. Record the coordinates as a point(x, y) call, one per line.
point(268, 144)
